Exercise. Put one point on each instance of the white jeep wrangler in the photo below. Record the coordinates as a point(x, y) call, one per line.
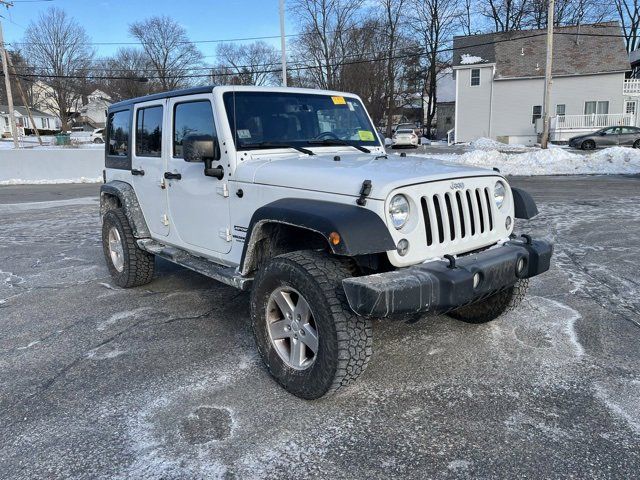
point(290, 193)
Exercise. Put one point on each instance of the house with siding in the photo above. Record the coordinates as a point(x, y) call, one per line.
point(500, 83)
point(43, 121)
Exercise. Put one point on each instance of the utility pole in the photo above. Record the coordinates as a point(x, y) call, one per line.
point(24, 100)
point(283, 45)
point(544, 141)
point(7, 81)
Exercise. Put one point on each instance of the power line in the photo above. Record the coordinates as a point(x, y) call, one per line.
point(294, 65)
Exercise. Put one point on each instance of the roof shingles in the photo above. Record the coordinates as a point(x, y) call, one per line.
point(599, 48)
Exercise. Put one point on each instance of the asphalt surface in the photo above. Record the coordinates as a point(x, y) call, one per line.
point(164, 381)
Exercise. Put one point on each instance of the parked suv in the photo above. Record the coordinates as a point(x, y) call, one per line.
point(289, 193)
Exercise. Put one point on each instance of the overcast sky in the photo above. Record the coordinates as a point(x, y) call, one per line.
point(108, 20)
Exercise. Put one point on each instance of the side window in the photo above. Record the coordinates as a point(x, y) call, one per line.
point(119, 134)
point(191, 119)
point(149, 132)
point(475, 77)
point(536, 113)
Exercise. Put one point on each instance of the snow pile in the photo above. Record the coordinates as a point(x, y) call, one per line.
point(489, 144)
point(555, 161)
point(18, 181)
point(468, 59)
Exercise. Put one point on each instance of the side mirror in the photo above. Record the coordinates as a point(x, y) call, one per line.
point(602, 134)
point(203, 148)
point(198, 148)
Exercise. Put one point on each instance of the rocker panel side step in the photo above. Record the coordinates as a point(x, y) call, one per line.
point(224, 274)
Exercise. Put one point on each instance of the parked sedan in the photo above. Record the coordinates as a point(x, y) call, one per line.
point(405, 138)
point(608, 137)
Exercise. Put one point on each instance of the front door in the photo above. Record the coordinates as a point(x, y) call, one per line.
point(199, 205)
point(630, 108)
point(148, 160)
point(609, 137)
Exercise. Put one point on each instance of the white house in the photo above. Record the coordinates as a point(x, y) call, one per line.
point(43, 121)
point(92, 113)
point(500, 83)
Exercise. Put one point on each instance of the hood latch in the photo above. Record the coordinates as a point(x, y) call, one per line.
point(365, 191)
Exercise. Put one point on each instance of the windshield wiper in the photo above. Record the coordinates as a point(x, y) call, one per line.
point(277, 145)
point(335, 141)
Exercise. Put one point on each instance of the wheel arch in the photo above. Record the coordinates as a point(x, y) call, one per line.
point(301, 224)
point(119, 194)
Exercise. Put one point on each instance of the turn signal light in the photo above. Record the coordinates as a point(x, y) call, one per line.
point(334, 238)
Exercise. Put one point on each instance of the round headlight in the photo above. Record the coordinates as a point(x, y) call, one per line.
point(399, 211)
point(499, 192)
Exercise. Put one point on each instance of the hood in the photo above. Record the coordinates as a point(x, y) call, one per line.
point(344, 177)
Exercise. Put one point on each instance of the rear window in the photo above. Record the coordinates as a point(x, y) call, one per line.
point(149, 132)
point(118, 142)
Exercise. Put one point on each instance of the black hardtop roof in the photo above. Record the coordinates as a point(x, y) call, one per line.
point(157, 96)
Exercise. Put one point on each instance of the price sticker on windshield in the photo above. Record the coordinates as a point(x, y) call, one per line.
point(366, 135)
point(338, 101)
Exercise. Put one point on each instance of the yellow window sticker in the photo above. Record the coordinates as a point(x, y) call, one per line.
point(366, 135)
point(338, 101)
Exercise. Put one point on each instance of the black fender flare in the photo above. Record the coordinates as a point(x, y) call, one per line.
point(361, 231)
point(524, 204)
point(129, 201)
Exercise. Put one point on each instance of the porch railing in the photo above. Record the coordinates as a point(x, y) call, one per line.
point(595, 120)
point(631, 87)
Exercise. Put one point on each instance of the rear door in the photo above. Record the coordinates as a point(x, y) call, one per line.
point(148, 161)
point(628, 135)
point(199, 205)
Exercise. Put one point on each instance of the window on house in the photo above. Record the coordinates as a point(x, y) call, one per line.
point(560, 109)
point(536, 113)
point(630, 107)
point(119, 134)
point(149, 132)
point(598, 108)
point(43, 122)
point(191, 118)
point(475, 77)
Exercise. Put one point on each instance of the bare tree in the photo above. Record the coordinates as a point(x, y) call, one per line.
point(256, 63)
point(363, 73)
point(59, 48)
point(129, 72)
point(567, 12)
point(505, 15)
point(629, 17)
point(170, 52)
point(392, 16)
point(436, 24)
point(324, 27)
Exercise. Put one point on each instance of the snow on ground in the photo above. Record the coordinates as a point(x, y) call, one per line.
point(489, 144)
point(18, 181)
point(554, 161)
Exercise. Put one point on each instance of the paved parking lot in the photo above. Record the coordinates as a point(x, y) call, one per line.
point(164, 381)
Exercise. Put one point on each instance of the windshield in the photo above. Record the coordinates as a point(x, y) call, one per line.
point(274, 119)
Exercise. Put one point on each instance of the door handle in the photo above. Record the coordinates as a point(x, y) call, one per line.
point(135, 171)
point(172, 176)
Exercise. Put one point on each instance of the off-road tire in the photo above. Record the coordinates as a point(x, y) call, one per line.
point(588, 145)
point(345, 339)
point(138, 264)
point(491, 308)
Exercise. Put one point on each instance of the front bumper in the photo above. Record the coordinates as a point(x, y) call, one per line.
point(436, 287)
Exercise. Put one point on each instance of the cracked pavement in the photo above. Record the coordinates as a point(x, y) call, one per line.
point(163, 381)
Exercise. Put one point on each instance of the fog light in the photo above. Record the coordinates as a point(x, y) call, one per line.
point(521, 265)
point(507, 223)
point(403, 247)
point(477, 277)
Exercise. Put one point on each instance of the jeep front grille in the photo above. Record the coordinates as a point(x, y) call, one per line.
point(458, 215)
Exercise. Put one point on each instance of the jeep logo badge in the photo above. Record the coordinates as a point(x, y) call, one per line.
point(457, 186)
